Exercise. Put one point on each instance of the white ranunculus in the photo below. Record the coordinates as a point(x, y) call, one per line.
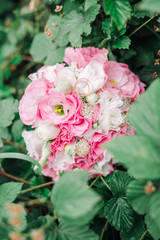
point(65, 81)
point(33, 143)
point(111, 120)
point(108, 100)
point(50, 73)
point(94, 75)
point(92, 98)
point(46, 131)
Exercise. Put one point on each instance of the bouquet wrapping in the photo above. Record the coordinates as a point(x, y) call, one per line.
point(77, 107)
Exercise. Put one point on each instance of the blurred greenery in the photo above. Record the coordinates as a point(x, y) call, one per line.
point(34, 33)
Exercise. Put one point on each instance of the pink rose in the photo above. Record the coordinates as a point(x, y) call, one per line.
point(120, 78)
point(83, 56)
point(28, 108)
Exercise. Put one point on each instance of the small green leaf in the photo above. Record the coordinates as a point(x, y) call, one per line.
point(90, 16)
point(122, 43)
point(89, 3)
point(119, 10)
point(55, 56)
point(69, 232)
point(9, 192)
point(119, 182)
point(144, 114)
point(154, 208)
point(152, 227)
point(119, 214)
point(8, 108)
point(137, 197)
point(72, 198)
point(41, 47)
point(138, 154)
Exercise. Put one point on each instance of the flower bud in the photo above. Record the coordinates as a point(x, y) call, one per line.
point(69, 149)
point(46, 131)
point(92, 98)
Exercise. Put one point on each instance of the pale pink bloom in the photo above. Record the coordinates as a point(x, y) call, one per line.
point(28, 108)
point(83, 56)
point(70, 117)
point(121, 79)
point(48, 73)
point(50, 172)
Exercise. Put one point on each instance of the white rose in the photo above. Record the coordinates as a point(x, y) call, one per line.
point(94, 75)
point(109, 100)
point(45, 154)
point(105, 165)
point(33, 143)
point(92, 98)
point(65, 81)
point(46, 131)
point(111, 120)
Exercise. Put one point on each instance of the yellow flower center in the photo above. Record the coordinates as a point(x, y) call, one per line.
point(112, 81)
point(59, 109)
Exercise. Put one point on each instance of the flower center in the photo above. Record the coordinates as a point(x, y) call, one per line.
point(87, 110)
point(112, 81)
point(82, 147)
point(59, 109)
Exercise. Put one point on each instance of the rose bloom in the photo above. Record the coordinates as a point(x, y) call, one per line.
point(121, 79)
point(83, 56)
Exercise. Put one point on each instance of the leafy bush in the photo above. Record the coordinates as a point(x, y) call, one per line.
point(123, 205)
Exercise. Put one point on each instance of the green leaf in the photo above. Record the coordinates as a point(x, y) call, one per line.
point(17, 128)
point(72, 198)
point(154, 208)
point(55, 56)
point(72, 24)
point(68, 232)
point(9, 192)
point(22, 157)
point(89, 3)
point(137, 197)
point(144, 114)
point(41, 47)
point(136, 231)
point(40, 192)
point(8, 108)
point(119, 10)
point(122, 43)
point(119, 182)
point(150, 5)
point(138, 154)
point(152, 227)
point(90, 16)
point(119, 214)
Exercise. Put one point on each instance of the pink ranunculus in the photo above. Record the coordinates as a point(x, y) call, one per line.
point(28, 108)
point(50, 172)
point(61, 140)
point(48, 73)
point(83, 56)
point(121, 79)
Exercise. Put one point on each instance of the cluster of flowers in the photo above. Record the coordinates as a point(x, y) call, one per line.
point(74, 108)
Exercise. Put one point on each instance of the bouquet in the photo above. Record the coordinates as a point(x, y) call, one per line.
point(77, 107)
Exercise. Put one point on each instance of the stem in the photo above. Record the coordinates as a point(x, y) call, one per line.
point(137, 29)
point(103, 230)
point(49, 223)
point(35, 187)
point(158, 36)
point(13, 177)
point(95, 180)
point(105, 183)
point(143, 235)
point(14, 144)
point(103, 42)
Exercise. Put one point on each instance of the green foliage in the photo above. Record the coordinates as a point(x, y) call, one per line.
point(9, 192)
point(33, 36)
point(119, 11)
point(70, 204)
